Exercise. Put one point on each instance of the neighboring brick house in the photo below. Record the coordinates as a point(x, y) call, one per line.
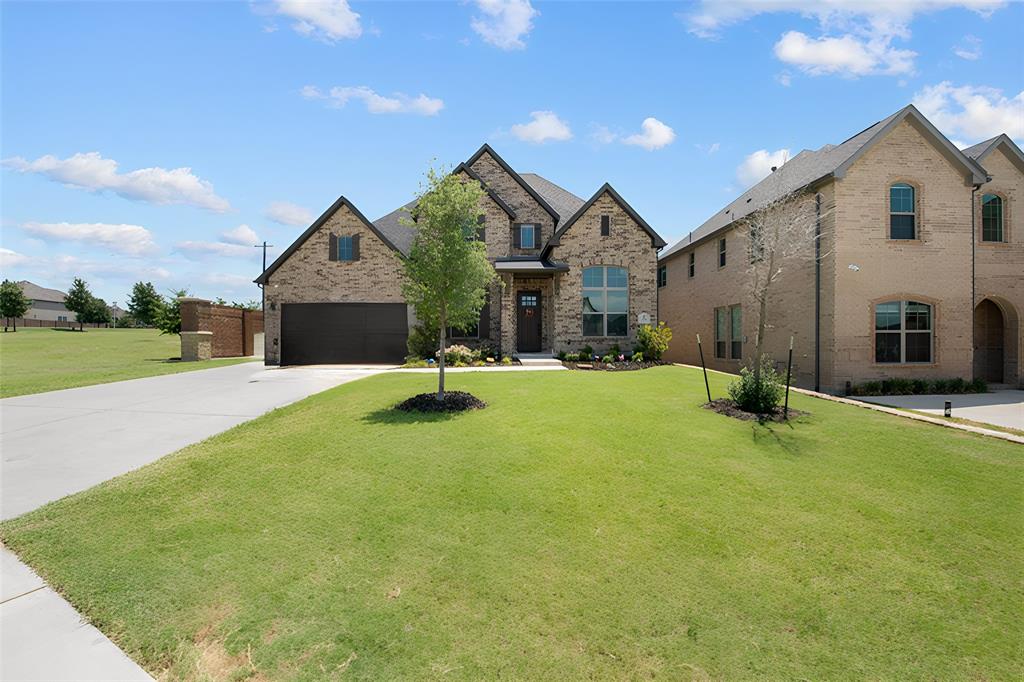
point(570, 273)
point(47, 304)
point(902, 285)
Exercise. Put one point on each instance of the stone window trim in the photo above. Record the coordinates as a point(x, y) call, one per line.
point(919, 214)
point(1007, 219)
point(936, 313)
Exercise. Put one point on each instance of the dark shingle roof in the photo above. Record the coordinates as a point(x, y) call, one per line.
point(391, 225)
point(38, 293)
point(809, 167)
point(562, 200)
point(978, 150)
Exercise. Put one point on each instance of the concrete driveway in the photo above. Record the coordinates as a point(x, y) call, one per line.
point(999, 408)
point(59, 443)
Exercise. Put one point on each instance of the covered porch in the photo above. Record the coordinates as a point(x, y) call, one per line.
point(528, 300)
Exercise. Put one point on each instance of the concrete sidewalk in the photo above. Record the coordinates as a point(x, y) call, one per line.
point(999, 408)
point(59, 443)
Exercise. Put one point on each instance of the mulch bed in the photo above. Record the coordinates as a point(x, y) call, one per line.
point(612, 367)
point(729, 409)
point(454, 401)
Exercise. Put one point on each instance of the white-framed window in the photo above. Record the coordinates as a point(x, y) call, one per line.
point(345, 249)
point(729, 332)
point(527, 236)
point(992, 218)
point(903, 332)
point(605, 301)
point(902, 213)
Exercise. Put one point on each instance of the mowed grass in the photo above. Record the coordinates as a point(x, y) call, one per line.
point(38, 359)
point(585, 525)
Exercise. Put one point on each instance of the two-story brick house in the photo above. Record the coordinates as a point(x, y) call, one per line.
point(918, 271)
point(571, 272)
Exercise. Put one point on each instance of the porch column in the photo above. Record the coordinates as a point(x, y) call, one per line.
point(508, 311)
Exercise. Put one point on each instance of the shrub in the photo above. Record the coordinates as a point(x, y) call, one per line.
point(413, 361)
point(615, 350)
point(940, 386)
point(653, 341)
point(572, 357)
point(919, 386)
point(608, 359)
point(637, 357)
point(587, 352)
point(454, 355)
point(978, 385)
point(506, 360)
point(897, 386)
point(957, 385)
point(422, 342)
point(561, 355)
point(762, 395)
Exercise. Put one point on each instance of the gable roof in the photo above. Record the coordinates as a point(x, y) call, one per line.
point(808, 168)
point(981, 150)
point(464, 168)
point(656, 240)
point(317, 224)
point(560, 199)
point(38, 293)
point(486, 148)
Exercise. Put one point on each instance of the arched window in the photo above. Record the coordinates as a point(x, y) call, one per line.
point(991, 218)
point(605, 301)
point(903, 332)
point(901, 212)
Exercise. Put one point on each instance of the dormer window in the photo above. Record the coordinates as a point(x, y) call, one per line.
point(902, 214)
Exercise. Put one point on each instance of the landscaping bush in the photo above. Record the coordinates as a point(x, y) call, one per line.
point(561, 355)
point(422, 342)
point(759, 395)
point(919, 387)
point(459, 355)
point(587, 352)
point(608, 359)
point(572, 357)
point(957, 385)
point(637, 357)
point(653, 341)
point(506, 360)
point(978, 385)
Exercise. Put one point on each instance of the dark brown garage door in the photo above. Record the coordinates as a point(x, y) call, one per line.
point(338, 333)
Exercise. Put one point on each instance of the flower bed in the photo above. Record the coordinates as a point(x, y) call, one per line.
point(615, 366)
point(729, 408)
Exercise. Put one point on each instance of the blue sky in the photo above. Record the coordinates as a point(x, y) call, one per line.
point(158, 141)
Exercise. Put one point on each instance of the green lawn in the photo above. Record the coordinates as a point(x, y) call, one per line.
point(585, 525)
point(37, 360)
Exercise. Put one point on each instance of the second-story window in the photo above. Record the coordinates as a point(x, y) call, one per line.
point(721, 252)
point(527, 236)
point(662, 275)
point(346, 249)
point(692, 266)
point(992, 218)
point(902, 213)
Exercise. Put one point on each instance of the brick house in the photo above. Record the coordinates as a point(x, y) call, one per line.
point(919, 271)
point(571, 272)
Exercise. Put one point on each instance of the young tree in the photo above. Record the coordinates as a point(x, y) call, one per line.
point(13, 302)
point(96, 312)
point(78, 300)
point(145, 303)
point(447, 271)
point(169, 319)
point(782, 236)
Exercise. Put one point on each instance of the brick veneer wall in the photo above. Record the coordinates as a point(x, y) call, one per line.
point(232, 328)
point(628, 245)
point(526, 207)
point(307, 276)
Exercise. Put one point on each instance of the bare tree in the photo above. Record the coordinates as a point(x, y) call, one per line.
point(781, 236)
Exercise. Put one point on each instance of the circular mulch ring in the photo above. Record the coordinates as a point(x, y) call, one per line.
point(454, 401)
point(729, 409)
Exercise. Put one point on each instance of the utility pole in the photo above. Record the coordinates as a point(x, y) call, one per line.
point(263, 293)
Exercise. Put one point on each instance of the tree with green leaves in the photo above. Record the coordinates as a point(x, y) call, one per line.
point(96, 312)
point(169, 319)
point(78, 300)
point(13, 303)
point(145, 303)
point(447, 271)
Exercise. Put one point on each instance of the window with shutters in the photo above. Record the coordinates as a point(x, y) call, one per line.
point(346, 250)
point(992, 218)
point(903, 332)
point(605, 301)
point(902, 211)
point(527, 236)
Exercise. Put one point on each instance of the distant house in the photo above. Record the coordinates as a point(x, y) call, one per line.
point(47, 304)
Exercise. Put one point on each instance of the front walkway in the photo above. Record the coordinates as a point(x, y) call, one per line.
point(59, 443)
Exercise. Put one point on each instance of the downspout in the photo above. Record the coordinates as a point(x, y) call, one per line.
point(817, 292)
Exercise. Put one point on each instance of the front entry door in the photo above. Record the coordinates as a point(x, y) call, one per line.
point(528, 326)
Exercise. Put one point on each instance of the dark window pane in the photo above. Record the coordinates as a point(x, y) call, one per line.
point(992, 218)
point(593, 301)
point(887, 347)
point(592, 325)
point(737, 350)
point(901, 226)
point(719, 349)
point(901, 198)
point(720, 324)
point(616, 324)
point(919, 347)
point(919, 316)
point(887, 316)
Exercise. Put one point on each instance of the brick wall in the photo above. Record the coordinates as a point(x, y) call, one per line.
point(526, 207)
point(232, 328)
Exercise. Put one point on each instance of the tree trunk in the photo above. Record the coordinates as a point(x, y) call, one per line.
point(15, 322)
point(440, 360)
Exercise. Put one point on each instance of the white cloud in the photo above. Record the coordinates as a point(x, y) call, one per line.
point(758, 165)
point(11, 259)
point(545, 126)
point(287, 213)
point(92, 172)
point(398, 103)
point(327, 20)
point(504, 22)
point(856, 36)
point(971, 111)
point(242, 235)
point(201, 249)
point(784, 78)
point(969, 48)
point(71, 265)
point(131, 240)
point(845, 55)
point(653, 135)
point(602, 134)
